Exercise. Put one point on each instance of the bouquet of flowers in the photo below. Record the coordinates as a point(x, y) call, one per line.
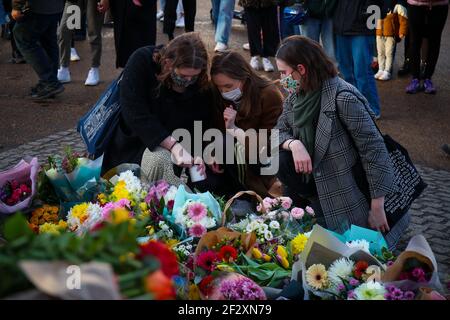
point(84, 217)
point(18, 186)
point(46, 220)
point(233, 286)
point(74, 177)
point(345, 280)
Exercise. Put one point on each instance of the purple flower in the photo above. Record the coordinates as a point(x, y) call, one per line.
point(388, 296)
point(340, 287)
point(241, 289)
point(351, 295)
point(418, 273)
point(397, 294)
point(390, 263)
point(353, 282)
point(391, 288)
point(409, 295)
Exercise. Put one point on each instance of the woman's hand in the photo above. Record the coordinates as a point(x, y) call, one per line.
point(229, 115)
point(302, 159)
point(377, 216)
point(216, 168)
point(16, 15)
point(201, 167)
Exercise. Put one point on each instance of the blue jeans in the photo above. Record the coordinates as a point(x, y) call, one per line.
point(35, 36)
point(223, 16)
point(317, 30)
point(354, 55)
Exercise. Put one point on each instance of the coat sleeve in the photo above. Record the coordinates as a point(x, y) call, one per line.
point(356, 116)
point(284, 126)
point(136, 100)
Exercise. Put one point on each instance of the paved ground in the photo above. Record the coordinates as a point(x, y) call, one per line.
point(420, 122)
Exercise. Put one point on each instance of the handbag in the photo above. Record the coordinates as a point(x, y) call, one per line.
point(97, 126)
point(408, 184)
point(295, 15)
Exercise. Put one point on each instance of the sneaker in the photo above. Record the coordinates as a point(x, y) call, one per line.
point(378, 74)
point(246, 46)
point(429, 87)
point(413, 87)
point(180, 22)
point(74, 55)
point(446, 149)
point(268, 66)
point(64, 75)
point(48, 91)
point(93, 77)
point(220, 47)
point(385, 76)
point(160, 14)
point(36, 88)
point(255, 63)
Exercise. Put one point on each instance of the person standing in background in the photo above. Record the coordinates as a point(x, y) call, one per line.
point(355, 47)
point(134, 27)
point(170, 16)
point(35, 35)
point(425, 17)
point(319, 25)
point(17, 57)
point(95, 12)
point(222, 12)
point(262, 19)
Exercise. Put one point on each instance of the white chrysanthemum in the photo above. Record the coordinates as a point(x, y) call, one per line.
point(268, 235)
point(359, 244)
point(94, 217)
point(371, 290)
point(271, 215)
point(274, 225)
point(340, 269)
point(133, 183)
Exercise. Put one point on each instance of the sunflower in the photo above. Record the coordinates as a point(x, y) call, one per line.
point(317, 277)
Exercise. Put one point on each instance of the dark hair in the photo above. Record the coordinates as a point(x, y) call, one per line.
point(233, 65)
point(185, 51)
point(295, 50)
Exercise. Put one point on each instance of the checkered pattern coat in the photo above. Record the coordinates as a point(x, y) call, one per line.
point(337, 150)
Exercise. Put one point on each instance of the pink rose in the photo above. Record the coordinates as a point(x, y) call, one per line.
point(310, 211)
point(286, 202)
point(297, 213)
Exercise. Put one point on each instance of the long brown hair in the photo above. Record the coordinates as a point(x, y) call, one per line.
point(295, 50)
point(234, 66)
point(185, 51)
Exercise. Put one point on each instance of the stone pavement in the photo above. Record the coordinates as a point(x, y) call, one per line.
point(430, 213)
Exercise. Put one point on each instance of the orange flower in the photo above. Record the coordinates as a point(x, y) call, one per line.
point(160, 286)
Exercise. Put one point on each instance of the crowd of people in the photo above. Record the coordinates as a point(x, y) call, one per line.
point(329, 141)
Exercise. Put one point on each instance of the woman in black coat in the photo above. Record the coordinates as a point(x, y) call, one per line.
point(134, 27)
point(162, 89)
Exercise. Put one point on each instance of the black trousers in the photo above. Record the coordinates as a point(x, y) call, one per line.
point(425, 22)
point(263, 20)
point(170, 16)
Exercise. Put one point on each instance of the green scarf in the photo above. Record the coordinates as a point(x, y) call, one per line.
point(306, 110)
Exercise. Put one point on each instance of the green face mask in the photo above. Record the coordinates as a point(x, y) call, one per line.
point(182, 82)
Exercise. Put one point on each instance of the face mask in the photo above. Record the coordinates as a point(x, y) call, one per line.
point(290, 84)
point(233, 95)
point(182, 82)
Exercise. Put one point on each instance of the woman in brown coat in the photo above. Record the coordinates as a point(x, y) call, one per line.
point(249, 101)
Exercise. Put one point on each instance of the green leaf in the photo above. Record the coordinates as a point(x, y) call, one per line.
point(16, 227)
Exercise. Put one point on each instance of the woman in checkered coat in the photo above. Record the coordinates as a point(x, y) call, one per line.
point(331, 152)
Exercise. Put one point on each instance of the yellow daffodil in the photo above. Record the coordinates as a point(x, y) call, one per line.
point(267, 258)
point(225, 268)
point(284, 262)
point(281, 251)
point(256, 253)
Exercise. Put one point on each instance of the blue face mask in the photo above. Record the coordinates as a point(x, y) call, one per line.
point(183, 82)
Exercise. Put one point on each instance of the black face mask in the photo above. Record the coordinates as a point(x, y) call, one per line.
point(182, 82)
